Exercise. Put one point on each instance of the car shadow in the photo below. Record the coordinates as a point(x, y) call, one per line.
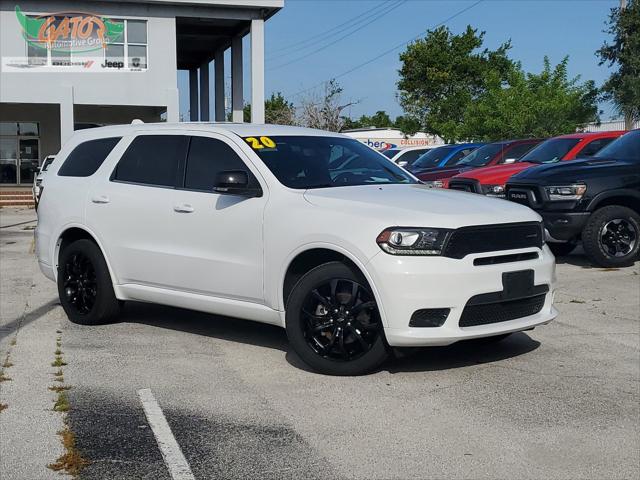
point(425, 359)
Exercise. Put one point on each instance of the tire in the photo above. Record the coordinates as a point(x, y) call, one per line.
point(84, 285)
point(348, 337)
point(562, 249)
point(612, 229)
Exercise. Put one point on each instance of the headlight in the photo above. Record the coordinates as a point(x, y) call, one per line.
point(434, 184)
point(493, 190)
point(413, 241)
point(566, 192)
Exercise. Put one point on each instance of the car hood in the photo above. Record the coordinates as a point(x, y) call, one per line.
point(497, 174)
point(576, 171)
point(418, 205)
point(438, 173)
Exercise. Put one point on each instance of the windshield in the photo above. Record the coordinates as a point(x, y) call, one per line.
point(550, 151)
point(321, 162)
point(481, 156)
point(390, 153)
point(432, 158)
point(626, 147)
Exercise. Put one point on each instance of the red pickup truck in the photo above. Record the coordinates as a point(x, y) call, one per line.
point(491, 180)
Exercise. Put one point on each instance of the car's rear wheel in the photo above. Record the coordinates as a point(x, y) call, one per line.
point(84, 284)
point(611, 237)
point(562, 249)
point(333, 322)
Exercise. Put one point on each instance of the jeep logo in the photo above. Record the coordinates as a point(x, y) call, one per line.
point(110, 64)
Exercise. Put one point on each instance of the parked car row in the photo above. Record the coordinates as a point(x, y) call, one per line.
point(594, 199)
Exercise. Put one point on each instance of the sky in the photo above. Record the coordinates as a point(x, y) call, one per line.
point(305, 43)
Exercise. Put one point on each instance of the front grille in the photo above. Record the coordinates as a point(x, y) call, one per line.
point(485, 314)
point(429, 317)
point(493, 238)
point(466, 185)
point(514, 257)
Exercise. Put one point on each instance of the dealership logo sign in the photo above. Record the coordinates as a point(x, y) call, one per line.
point(81, 32)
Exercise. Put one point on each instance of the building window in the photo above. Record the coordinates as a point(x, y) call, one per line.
point(130, 47)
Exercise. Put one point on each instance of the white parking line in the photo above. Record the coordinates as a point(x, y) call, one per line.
point(174, 459)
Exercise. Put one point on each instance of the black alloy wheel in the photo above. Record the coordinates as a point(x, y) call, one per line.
point(85, 287)
point(618, 237)
point(79, 282)
point(342, 320)
point(333, 322)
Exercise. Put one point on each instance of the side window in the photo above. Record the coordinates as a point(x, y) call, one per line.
point(152, 160)
point(87, 157)
point(518, 151)
point(411, 156)
point(207, 157)
point(459, 156)
point(592, 148)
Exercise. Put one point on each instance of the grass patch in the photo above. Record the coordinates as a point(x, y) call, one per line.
point(3, 377)
point(62, 403)
point(3, 406)
point(58, 373)
point(71, 462)
point(577, 301)
point(58, 352)
point(13, 342)
point(59, 388)
point(58, 362)
point(58, 331)
point(7, 364)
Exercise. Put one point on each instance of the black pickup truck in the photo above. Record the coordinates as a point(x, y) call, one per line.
point(596, 201)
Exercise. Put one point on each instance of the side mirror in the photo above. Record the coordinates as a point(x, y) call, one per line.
point(510, 160)
point(235, 182)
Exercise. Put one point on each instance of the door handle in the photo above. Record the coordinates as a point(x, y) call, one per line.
point(183, 208)
point(100, 199)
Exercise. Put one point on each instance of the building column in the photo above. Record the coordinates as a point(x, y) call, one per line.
point(204, 92)
point(66, 114)
point(237, 97)
point(257, 71)
point(193, 95)
point(219, 85)
point(173, 105)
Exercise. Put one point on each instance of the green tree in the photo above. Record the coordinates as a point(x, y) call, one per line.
point(443, 74)
point(277, 110)
point(531, 105)
point(623, 86)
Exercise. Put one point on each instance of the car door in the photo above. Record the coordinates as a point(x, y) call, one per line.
point(220, 236)
point(130, 208)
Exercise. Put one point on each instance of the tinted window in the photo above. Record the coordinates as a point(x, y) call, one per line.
point(592, 148)
point(320, 162)
point(411, 156)
point(518, 151)
point(626, 147)
point(87, 157)
point(390, 153)
point(207, 157)
point(459, 156)
point(481, 156)
point(550, 151)
point(152, 160)
point(433, 157)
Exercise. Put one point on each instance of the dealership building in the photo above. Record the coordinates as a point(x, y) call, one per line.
point(67, 65)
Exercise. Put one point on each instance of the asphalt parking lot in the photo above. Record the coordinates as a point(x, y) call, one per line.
point(562, 401)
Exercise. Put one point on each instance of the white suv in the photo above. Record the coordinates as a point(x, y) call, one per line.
point(308, 230)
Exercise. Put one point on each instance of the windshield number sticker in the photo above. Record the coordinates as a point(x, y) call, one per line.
point(262, 142)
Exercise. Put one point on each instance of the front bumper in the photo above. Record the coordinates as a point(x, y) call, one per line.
point(564, 226)
point(407, 284)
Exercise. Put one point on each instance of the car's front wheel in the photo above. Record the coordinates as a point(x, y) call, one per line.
point(611, 237)
point(333, 322)
point(84, 284)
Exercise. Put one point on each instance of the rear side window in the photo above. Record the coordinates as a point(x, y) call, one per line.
point(518, 151)
point(87, 157)
point(207, 157)
point(594, 147)
point(152, 160)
